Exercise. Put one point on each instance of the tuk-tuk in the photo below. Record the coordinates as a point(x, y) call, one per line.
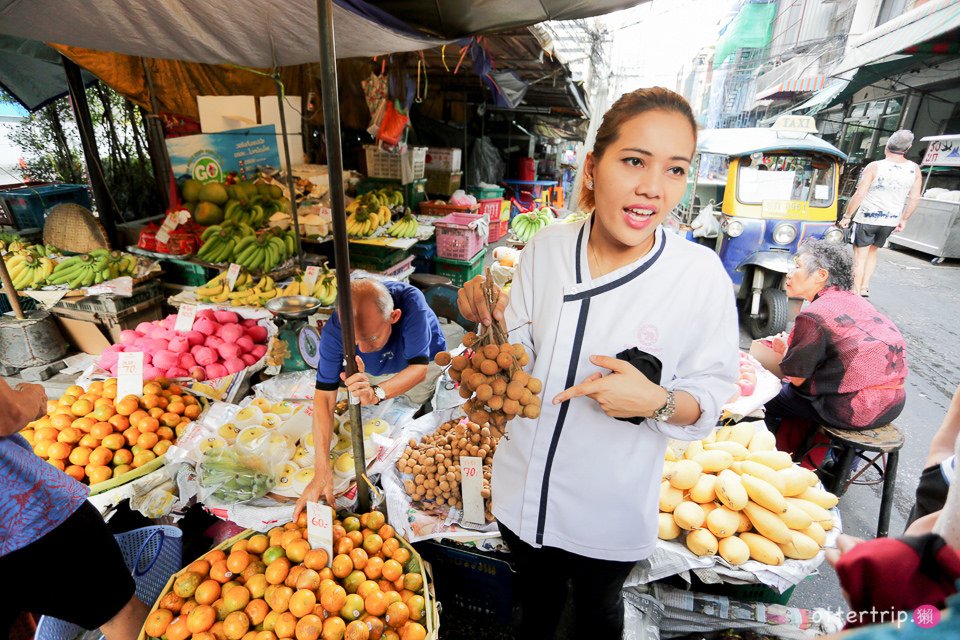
point(779, 188)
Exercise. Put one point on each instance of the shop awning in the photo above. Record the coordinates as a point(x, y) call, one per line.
point(926, 23)
point(31, 72)
point(797, 85)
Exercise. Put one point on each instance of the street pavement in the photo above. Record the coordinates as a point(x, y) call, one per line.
point(923, 300)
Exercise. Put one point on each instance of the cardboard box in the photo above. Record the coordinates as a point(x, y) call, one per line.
point(764, 353)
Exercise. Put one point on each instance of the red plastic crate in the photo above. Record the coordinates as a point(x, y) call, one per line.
point(430, 208)
point(498, 230)
point(456, 240)
point(490, 208)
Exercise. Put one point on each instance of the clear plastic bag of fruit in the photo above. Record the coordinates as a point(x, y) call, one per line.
point(243, 471)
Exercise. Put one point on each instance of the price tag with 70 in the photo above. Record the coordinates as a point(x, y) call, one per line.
point(130, 374)
point(471, 483)
point(186, 314)
point(233, 272)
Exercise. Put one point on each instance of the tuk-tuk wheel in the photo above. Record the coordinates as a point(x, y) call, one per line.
point(772, 316)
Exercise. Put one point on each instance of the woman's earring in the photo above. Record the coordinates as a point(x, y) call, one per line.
point(590, 184)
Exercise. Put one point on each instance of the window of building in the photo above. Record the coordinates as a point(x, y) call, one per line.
point(869, 126)
point(890, 9)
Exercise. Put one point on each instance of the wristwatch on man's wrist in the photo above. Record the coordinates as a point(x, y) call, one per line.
point(666, 412)
point(380, 393)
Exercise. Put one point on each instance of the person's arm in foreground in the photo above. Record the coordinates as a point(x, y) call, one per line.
point(19, 406)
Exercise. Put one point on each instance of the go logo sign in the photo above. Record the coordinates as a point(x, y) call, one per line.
point(206, 169)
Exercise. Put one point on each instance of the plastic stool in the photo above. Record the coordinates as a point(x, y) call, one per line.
point(885, 441)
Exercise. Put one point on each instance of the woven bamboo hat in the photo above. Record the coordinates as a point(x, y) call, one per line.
point(71, 227)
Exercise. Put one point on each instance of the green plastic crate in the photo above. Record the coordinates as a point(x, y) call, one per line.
point(187, 273)
point(374, 257)
point(413, 192)
point(485, 193)
point(749, 592)
point(459, 271)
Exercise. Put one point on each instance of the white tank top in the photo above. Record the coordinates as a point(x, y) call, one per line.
point(884, 202)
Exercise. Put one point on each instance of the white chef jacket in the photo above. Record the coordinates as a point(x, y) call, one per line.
point(575, 478)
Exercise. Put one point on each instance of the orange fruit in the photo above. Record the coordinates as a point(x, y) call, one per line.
point(256, 610)
point(342, 566)
point(80, 456)
point(238, 560)
point(81, 408)
point(171, 602)
point(297, 550)
point(207, 592)
point(137, 416)
point(214, 555)
point(121, 469)
point(74, 390)
point(177, 408)
point(128, 405)
point(170, 419)
point(417, 606)
point(143, 457)
point(257, 543)
point(104, 412)
point(161, 447)
point(359, 558)
point(84, 424)
point(356, 537)
point(41, 446)
point(98, 473)
point(52, 406)
point(343, 547)
point(220, 572)
point(413, 631)
point(165, 433)
point(356, 630)
point(402, 556)
point(413, 582)
point(58, 421)
point(114, 441)
point(178, 630)
point(50, 433)
point(57, 463)
point(89, 442)
point(59, 451)
point(192, 411)
point(333, 599)
point(392, 570)
point(376, 603)
point(374, 568)
point(390, 546)
point(147, 440)
point(150, 400)
point(397, 615)
point(163, 403)
point(76, 472)
point(122, 456)
point(152, 388)
point(315, 559)
point(157, 622)
point(131, 435)
point(69, 435)
point(67, 400)
point(302, 602)
point(286, 625)
point(372, 544)
point(101, 430)
point(104, 402)
point(120, 423)
point(277, 571)
point(200, 567)
point(174, 389)
point(309, 627)
point(334, 627)
point(148, 424)
point(201, 618)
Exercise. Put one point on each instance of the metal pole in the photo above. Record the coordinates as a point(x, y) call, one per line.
point(341, 249)
point(156, 146)
point(81, 112)
point(290, 185)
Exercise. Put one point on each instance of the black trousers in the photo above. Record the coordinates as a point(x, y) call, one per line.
point(931, 493)
point(542, 576)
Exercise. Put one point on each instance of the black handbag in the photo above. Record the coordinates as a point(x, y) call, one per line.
point(647, 364)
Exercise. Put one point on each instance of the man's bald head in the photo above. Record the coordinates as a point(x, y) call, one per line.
point(371, 296)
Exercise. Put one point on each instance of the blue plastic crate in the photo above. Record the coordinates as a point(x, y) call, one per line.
point(27, 206)
point(152, 554)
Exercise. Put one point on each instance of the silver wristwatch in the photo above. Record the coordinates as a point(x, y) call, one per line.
point(666, 412)
point(380, 393)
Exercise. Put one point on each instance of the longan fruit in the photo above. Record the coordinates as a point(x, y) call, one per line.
point(465, 392)
point(495, 402)
point(489, 367)
point(480, 416)
point(476, 381)
point(511, 407)
point(518, 350)
point(531, 411)
point(454, 375)
point(491, 351)
point(470, 339)
point(535, 385)
point(459, 363)
point(477, 359)
point(524, 360)
point(499, 386)
point(522, 377)
point(525, 397)
point(505, 361)
point(514, 391)
point(443, 358)
point(484, 392)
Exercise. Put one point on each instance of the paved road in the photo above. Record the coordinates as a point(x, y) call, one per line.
point(924, 302)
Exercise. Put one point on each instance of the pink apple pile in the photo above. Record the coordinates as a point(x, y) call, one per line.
point(220, 344)
point(748, 376)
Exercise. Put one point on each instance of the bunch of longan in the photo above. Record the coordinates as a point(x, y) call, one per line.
point(434, 463)
point(492, 381)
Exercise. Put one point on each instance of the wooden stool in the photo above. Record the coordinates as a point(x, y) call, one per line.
point(885, 441)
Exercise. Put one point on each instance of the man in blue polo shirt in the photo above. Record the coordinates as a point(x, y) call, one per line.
point(397, 336)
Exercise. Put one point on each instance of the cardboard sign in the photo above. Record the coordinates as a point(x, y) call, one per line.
point(233, 272)
point(129, 374)
point(310, 276)
point(185, 317)
point(320, 528)
point(471, 482)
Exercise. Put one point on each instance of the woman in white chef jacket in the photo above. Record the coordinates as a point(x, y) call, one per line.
point(576, 490)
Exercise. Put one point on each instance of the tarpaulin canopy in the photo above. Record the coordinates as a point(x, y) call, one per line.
point(457, 18)
point(253, 33)
point(31, 72)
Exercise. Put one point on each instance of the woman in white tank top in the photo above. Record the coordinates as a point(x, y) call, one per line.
point(886, 197)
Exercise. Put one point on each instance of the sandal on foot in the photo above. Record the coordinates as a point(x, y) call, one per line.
point(865, 293)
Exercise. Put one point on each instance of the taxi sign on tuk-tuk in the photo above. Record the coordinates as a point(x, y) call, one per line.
point(795, 124)
point(787, 209)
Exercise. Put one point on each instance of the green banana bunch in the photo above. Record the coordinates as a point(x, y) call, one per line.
point(405, 227)
point(525, 225)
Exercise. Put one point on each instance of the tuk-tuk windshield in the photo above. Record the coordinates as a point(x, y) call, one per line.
point(782, 177)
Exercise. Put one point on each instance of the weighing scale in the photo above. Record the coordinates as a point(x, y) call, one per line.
point(302, 340)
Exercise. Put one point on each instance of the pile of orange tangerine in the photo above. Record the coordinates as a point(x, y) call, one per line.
point(274, 586)
point(93, 436)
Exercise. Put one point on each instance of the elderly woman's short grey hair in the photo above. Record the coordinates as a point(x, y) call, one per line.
point(370, 289)
point(835, 258)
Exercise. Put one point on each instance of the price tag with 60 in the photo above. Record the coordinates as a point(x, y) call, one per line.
point(320, 528)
